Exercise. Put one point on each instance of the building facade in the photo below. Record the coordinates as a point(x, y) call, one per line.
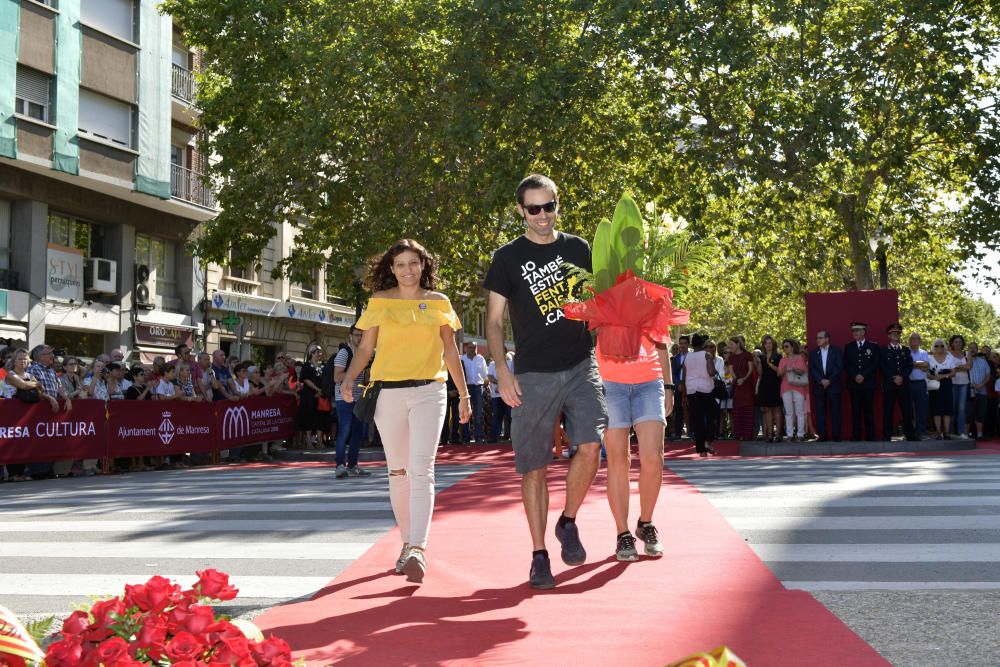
point(100, 187)
point(254, 316)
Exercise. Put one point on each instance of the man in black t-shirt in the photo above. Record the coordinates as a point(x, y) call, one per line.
point(555, 368)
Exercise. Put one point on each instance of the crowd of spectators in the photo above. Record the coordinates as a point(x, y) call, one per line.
point(772, 393)
point(780, 392)
point(51, 375)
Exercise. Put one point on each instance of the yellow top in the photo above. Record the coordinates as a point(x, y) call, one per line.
point(409, 345)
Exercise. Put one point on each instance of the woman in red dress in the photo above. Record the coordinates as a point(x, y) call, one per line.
point(744, 402)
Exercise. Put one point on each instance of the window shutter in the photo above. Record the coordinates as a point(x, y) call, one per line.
point(106, 118)
point(32, 86)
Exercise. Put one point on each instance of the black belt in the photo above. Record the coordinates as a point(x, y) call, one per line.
point(399, 384)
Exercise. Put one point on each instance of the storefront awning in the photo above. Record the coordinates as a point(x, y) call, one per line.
point(13, 331)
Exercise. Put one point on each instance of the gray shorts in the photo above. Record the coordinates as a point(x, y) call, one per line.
point(577, 391)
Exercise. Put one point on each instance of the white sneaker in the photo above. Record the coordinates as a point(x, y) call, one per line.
point(403, 553)
point(415, 566)
point(342, 471)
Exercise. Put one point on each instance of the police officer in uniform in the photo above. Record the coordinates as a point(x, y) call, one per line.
point(896, 362)
point(861, 359)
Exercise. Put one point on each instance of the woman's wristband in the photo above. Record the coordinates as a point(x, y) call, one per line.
point(464, 397)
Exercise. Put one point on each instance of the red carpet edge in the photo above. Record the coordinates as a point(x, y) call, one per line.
point(475, 606)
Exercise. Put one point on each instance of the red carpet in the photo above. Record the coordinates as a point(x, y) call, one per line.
point(475, 606)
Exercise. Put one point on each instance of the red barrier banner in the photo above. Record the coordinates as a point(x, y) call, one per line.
point(256, 419)
point(32, 432)
point(160, 428)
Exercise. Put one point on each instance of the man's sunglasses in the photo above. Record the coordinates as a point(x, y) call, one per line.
point(535, 209)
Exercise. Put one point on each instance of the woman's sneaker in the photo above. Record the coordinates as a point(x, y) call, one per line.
point(357, 471)
point(647, 533)
point(341, 472)
point(403, 553)
point(626, 547)
point(415, 566)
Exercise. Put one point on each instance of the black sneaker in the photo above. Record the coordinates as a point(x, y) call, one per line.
point(541, 572)
point(573, 552)
point(647, 533)
point(625, 551)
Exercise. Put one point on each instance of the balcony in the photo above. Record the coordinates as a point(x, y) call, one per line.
point(182, 84)
point(190, 186)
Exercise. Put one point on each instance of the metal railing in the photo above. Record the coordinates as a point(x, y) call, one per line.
point(191, 187)
point(182, 84)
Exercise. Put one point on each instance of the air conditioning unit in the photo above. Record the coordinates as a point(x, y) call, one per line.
point(101, 275)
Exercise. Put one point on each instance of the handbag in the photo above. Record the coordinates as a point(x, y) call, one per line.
point(798, 379)
point(364, 405)
point(933, 385)
point(28, 395)
point(720, 391)
point(323, 404)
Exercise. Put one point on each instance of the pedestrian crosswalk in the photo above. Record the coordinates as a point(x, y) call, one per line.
point(906, 523)
point(280, 532)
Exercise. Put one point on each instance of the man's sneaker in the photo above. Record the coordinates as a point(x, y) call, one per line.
point(541, 572)
point(573, 552)
point(415, 566)
point(626, 547)
point(342, 471)
point(403, 553)
point(647, 533)
point(358, 471)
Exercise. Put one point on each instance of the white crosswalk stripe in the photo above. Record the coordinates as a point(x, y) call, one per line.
point(281, 533)
point(901, 524)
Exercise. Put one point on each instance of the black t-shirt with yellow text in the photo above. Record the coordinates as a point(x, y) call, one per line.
point(531, 277)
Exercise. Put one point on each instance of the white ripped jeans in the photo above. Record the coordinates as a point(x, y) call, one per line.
point(409, 419)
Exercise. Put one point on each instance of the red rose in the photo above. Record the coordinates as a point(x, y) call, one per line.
point(111, 650)
point(221, 630)
point(215, 584)
point(152, 635)
point(198, 620)
point(103, 609)
point(233, 651)
point(175, 619)
point(184, 646)
point(272, 651)
point(76, 623)
point(64, 653)
point(155, 595)
point(127, 661)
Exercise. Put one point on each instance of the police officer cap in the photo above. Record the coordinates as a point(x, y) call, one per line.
point(859, 325)
point(895, 326)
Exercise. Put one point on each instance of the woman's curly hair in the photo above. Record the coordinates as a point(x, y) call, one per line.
point(380, 275)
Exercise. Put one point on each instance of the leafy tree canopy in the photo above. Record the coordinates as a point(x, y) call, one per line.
point(790, 130)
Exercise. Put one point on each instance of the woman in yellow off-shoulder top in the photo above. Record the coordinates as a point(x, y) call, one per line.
point(413, 328)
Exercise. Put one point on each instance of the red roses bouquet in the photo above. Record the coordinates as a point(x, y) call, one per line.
point(157, 623)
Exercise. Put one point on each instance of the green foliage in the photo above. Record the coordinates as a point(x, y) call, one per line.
point(40, 629)
point(628, 236)
point(786, 130)
point(603, 260)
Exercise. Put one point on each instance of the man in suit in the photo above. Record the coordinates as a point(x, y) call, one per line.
point(677, 368)
point(896, 363)
point(826, 364)
point(861, 357)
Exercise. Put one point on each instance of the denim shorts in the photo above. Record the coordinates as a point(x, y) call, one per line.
point(631, 404)
point(575, 392)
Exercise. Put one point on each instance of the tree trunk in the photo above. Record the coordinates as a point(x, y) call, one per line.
point(858, 242)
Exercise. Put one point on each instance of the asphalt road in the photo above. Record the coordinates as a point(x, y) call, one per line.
point(905, 550)
point(282, 533)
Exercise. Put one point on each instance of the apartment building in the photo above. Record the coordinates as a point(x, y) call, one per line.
point(99, 178)
point(254, 316)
